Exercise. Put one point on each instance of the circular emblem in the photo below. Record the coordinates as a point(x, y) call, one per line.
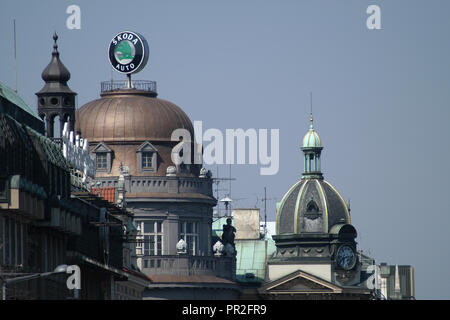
point(128, 52)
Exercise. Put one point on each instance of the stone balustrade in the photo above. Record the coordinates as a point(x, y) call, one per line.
point(188, 265)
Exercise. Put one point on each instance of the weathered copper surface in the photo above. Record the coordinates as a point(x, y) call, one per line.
point(124, 119)
point(130, 115)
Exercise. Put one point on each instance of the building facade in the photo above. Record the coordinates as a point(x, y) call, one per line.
point(316, 252)
point(143, 228)
point(133, 137)
point(396, 282)
point(48, 217)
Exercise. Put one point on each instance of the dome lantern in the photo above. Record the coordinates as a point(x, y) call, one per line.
point(312, 148)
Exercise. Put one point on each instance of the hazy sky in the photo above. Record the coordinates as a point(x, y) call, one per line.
point(380, 97)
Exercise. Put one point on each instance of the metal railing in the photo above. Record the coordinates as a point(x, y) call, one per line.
point(113, 85)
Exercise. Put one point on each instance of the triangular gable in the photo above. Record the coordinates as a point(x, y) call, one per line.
point(101, 147)
point(299, 282)
point(146, 146)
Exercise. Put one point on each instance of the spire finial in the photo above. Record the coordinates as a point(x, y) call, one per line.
point(311, 113)
point(55, 45)
point(56, 71)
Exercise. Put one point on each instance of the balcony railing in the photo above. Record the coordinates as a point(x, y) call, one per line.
point(187, 265)
point(162, 185)
point(113, 85)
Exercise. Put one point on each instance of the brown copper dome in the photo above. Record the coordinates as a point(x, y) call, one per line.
point(130, 115)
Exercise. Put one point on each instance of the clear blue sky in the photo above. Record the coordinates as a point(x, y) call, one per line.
point(381, 97)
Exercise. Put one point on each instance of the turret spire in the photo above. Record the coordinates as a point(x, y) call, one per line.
point(56, 98)
point(311, 147)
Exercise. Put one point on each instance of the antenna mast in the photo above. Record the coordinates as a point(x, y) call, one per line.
point(216, 181)
point(265, 208)
point(230, 185)
point(15, 55)
point(265, 211)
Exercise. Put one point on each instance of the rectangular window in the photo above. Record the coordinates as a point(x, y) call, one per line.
point(149, 245)
point(101, 160)
point(149, 227)
point(11, 241)
point(159, 245)
point(150, 237)
point(139, 239)
point(55, 251)
point(19, 243)
point(24, 243)
point(13, 237)
point(49, 252)
point(147, 158)
point(188, 231)
point(45, 255)
point(7, 242)
point(2, 239)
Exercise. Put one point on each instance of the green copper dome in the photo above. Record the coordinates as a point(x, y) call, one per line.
point(311, 138)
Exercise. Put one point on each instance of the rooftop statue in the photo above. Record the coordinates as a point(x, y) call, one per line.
point(228, 233)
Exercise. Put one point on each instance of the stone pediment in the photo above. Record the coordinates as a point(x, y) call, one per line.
point(101, 147)
point(299, 282)
point(147, 146)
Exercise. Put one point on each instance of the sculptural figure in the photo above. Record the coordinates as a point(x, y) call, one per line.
point(228, 233)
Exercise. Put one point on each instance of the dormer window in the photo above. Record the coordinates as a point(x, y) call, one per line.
point(312, 210)
point(147, 157)
point(312, 207)
point(103, 158)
